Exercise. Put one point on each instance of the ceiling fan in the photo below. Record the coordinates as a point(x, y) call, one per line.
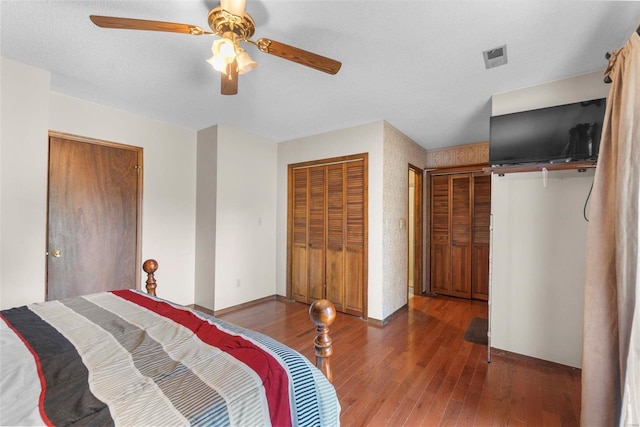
point(230, 22)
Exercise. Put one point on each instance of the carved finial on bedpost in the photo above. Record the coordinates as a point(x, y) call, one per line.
point(323, 313)
point(150, 266)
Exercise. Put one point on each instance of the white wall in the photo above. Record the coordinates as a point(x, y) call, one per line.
point(169, 194)
point(245, 259)
point(205, 271)
point(539, 242)
point(558, 92)
point(539, 247)
point(168, 212)
point(360, 139)
point(24, 112)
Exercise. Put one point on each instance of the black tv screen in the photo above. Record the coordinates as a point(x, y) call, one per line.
point(563, 133)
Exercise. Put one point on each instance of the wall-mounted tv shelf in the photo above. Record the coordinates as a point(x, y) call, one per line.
point(539, 166)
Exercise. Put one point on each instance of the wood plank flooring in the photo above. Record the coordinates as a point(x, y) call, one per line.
point(419, 371)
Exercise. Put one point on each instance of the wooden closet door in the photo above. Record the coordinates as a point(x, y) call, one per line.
point(317, 218)
point(355, 241)
point(327, 237)
point(481, 234)
point(335, 273)
point(299, 282)
point(440, 235)
point(461, 235)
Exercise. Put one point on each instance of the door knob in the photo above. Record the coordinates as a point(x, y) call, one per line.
point(56, 253)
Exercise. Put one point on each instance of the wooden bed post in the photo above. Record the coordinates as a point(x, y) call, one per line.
point(150, 266)
point(323, 313)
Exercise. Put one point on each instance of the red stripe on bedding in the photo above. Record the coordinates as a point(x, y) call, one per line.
point(43, 383)
point(274, 378)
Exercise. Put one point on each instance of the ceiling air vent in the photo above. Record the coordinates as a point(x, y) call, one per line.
point(495, 57)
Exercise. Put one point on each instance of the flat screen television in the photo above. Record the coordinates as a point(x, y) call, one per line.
point(563, 133)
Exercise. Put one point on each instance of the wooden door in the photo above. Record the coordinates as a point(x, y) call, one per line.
point(93, 227)
point(460, 216)
point(481, 224)
point(460, 235)
point(440, 235)
point(327, 232)
point(355, 278)
point(316, 242)
point(336, 248)
point(417, 229)
point(299, 282)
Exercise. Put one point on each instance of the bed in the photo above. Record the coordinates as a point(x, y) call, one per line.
point(127, 357)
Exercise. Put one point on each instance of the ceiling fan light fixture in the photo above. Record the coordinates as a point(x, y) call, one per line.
point(245, 63)
point(224, 52)
point(224, 48)
point(218, 63)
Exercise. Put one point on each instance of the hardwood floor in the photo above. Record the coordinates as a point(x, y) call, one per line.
point(419, 370)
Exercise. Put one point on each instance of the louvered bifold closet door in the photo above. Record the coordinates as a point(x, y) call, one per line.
point(299, 274)
point(317, 218)
point(335, 235)
point(327, 240)
point(481, 235)
point(461, 235)
point(440, 235)
point(355, 239)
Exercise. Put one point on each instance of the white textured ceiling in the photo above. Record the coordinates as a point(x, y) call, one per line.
point(416, 64)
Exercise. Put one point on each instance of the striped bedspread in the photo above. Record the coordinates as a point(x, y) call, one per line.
point(126, 358)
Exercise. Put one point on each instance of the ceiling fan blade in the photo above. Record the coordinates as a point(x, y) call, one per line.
point(143, 24)
point(229, 79)
point(313, 60)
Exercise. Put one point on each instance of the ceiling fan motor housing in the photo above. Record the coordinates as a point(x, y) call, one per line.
point(223, 22)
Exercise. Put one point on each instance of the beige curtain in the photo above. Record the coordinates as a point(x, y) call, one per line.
point(611, 336)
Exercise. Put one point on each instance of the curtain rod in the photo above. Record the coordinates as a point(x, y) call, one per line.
point(607, 55)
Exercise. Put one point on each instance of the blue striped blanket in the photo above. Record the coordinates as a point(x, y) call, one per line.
point(127, 358)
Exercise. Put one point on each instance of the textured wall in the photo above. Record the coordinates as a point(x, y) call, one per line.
point(398, 152)
point(460, 155)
